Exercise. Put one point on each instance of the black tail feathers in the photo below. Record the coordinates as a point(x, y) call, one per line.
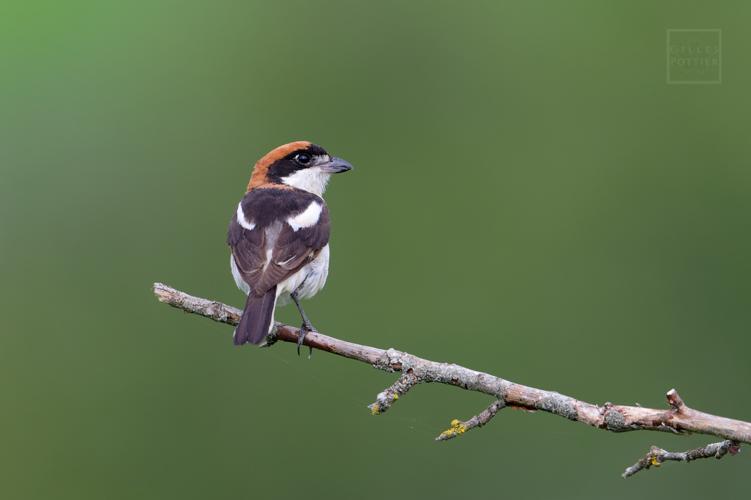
point(255, 323)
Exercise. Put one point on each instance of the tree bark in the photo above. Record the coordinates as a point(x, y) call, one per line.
point(677, 418)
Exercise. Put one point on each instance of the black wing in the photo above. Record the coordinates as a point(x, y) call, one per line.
point(269, 249)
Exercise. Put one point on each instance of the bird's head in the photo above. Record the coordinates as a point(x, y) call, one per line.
point(299, 164)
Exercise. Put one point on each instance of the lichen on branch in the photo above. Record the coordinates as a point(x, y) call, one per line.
point(677, 418)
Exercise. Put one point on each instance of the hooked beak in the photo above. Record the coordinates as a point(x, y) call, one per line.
point(335, 166)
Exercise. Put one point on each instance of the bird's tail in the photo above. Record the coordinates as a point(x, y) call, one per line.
point(257, 317)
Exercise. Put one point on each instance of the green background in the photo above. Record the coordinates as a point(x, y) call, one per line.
point(530, 199)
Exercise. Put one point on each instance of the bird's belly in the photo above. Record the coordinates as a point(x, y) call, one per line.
point(307, 281)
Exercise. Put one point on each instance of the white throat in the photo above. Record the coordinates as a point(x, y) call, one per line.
point(311, 179)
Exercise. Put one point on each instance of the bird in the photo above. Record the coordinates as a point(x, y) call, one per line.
point(279, 236)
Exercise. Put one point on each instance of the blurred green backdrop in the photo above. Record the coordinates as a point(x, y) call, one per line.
point(530, 198)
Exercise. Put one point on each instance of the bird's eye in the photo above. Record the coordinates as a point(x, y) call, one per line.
point(302, 158)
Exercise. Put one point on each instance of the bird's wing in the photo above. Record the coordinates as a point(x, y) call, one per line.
point(274, 233)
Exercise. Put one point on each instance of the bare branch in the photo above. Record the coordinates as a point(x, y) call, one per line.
point(678, 418)
point(656, 456)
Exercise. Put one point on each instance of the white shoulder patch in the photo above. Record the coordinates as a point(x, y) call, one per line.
point(307, 218)
point(242, 220)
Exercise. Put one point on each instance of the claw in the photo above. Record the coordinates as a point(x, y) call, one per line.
point(301, 338)
point(304, 329)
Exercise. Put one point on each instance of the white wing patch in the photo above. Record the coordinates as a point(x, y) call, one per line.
point(242, 220)
point(307, 218)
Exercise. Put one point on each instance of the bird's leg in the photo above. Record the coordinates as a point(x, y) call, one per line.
point(306, 327)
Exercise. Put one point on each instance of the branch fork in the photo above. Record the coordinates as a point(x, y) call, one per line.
point(657, 456)
point(677, 419)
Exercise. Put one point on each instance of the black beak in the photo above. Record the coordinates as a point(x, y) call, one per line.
point(336, 166)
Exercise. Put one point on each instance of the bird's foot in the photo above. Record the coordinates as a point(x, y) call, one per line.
point(304, 329)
